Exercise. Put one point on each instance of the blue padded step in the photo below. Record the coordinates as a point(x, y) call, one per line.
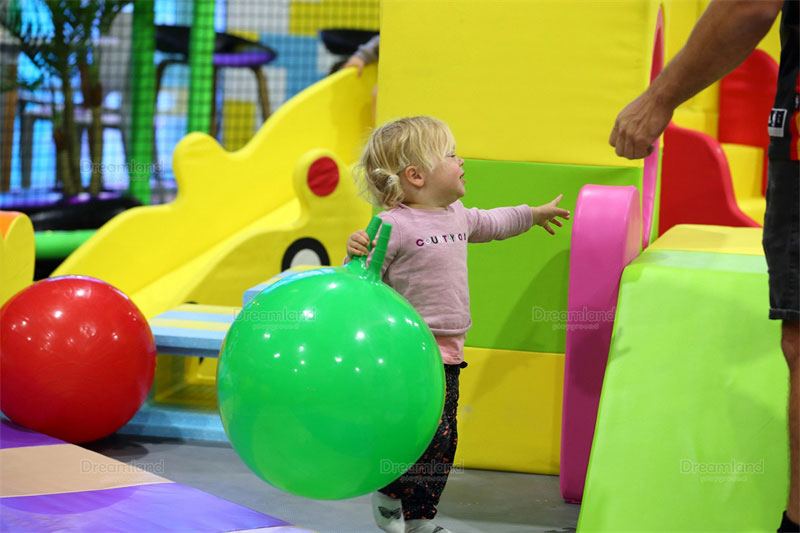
point(155, 420)
point(192, 329)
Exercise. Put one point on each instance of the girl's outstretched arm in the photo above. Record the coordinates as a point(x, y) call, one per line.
point(546, 214)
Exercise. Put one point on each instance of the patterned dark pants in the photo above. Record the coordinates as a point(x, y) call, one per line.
point(421, 486)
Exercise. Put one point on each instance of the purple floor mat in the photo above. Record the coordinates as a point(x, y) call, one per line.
point(13, 436)
point(152, 508)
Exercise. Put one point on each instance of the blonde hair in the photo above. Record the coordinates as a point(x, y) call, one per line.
point(420, 141)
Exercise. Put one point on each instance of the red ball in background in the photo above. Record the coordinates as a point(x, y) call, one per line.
point(77, 358)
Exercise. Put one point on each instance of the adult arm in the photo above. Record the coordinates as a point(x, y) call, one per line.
point(723, 37)
point(367, 53)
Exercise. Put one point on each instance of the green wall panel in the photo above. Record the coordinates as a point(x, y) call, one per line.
point(518, 286)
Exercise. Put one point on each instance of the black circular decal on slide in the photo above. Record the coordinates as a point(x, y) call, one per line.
point(305, 251)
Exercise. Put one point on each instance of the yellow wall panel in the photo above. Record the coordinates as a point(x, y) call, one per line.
point(509, 414)
point(308, 16)
point(771, 44)
point(746, 164)
point(697, 119)
point(679, 18)
point(518, 80)
point(711, 239)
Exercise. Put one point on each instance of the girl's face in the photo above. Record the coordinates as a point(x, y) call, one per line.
point(445, 182)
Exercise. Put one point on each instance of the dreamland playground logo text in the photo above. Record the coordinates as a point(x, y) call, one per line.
point(431, 471)
point(281, 318)
point(581, 319)
point(731, 471)
point(119, 168)
point(121, 468)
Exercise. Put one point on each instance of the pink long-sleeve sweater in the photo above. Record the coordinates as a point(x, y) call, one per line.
point(426, 262)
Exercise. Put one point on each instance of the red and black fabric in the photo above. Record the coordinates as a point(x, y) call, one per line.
point(784, 118)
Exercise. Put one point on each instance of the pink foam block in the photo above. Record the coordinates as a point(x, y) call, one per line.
point(650, 176)
point(606, 236)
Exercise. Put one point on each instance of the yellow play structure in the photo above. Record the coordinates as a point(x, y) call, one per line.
point(530, 90)
point(17, 254)
point(237, 214)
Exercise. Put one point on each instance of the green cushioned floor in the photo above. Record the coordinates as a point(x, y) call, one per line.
point(691, 432)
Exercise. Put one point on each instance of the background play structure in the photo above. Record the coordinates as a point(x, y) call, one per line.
point(241, 61)
point(625, 335)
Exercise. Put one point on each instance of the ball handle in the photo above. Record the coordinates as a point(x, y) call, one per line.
point(376, 263)
point(372, 230)
point(358, 264)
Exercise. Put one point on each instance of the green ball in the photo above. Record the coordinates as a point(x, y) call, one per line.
point(330, 384)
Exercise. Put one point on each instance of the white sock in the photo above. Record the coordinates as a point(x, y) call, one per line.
point(388, 513)
point(424, 526)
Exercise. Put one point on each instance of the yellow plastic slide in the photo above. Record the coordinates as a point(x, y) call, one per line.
point(239, 218)
point(17, 255)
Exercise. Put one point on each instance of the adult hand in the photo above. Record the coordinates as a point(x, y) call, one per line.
point(639, 125)
point(355, 61)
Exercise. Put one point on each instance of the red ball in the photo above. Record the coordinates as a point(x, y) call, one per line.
point(77, 358)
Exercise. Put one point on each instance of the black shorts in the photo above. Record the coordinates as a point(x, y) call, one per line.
point(782, 239)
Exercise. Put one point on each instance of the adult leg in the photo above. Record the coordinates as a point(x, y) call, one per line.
point(790, 343)
point(782, 251)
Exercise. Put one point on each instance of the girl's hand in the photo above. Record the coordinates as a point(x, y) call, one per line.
point(357, 243)
point(547, 213)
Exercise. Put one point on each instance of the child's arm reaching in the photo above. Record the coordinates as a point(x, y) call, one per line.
point(543, 215)
point(503, 222)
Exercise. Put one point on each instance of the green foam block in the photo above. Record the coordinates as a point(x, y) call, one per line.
point(518, 287)
point(691, 431)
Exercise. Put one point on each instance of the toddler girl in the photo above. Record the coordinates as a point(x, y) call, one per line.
point(410, 168)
